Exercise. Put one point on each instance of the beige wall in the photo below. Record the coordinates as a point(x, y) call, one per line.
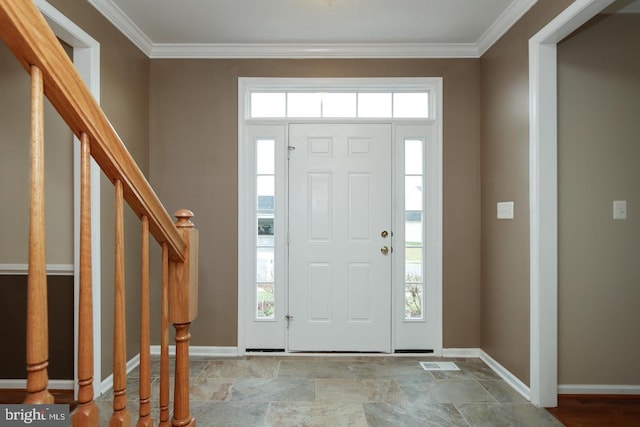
point(505, 177)
point(193, 164)
point(15, 137)
point(14, 226)
point(124, 87)
point(598, 162)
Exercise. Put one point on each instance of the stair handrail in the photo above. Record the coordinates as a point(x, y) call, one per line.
point(27, 34)
point(31, 40)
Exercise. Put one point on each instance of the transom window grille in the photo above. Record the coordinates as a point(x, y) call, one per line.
point(365, 105)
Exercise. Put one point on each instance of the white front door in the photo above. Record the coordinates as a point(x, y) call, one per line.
point(340, 237)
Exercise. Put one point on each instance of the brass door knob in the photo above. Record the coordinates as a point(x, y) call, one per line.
point(384, 250)
point(384, 233)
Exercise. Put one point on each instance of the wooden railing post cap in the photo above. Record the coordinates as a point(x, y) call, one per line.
point(184, 218)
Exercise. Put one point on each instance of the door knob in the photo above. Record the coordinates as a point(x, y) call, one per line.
point(384, 233)
point(384, 250)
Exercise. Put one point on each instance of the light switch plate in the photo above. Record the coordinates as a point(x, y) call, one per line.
point(505, 210)
point(619, 209)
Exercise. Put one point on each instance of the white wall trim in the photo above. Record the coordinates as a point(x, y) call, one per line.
point(506, 375)
point(21, 384)
point(620, 389)
point(107, 383)
point(200, 351)
point(298, 51)
point(86, 58)
point(126, 26)
point(23, 269)
point(461, 352)
point(543, 188)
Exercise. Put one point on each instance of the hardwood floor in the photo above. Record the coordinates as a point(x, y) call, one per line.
point(597, 411)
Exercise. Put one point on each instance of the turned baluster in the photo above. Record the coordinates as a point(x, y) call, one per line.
point(144, 419)
point(37, 321)
point(120, 416)
point(164, 340)
point(87, 413)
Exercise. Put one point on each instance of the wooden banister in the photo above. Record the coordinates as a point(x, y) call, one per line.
point(27, 34)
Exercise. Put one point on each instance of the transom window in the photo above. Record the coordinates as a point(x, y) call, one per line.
point(338, 104)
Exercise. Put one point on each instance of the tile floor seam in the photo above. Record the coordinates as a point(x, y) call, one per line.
point(455, 405)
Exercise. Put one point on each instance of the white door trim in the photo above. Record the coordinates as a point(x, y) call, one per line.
point(543, 189)
point(86, 58)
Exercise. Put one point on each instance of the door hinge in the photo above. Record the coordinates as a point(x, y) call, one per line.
point(288, 318)
point(290, 148)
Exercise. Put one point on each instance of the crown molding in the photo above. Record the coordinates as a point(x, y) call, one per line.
point(129, 29)
point(124, 24)
point(337, 50)
point(500, 26)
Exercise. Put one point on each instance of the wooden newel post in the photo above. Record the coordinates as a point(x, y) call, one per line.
point(183, 309)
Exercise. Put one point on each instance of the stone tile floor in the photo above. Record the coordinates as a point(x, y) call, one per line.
point(343, 391)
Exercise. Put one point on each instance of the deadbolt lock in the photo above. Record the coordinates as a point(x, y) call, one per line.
point(384, 233)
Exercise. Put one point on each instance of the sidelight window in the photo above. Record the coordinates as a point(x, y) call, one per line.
point(265, 229)
point(414, 224)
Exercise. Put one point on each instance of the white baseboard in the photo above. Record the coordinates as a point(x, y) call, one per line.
point(507, 376)
point(598, 389)
point(22, 384)
point(107, 383)
point(500, 370)
point(461, 352)
point(200, 351)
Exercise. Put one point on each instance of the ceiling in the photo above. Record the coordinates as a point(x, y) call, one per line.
point(313, 28)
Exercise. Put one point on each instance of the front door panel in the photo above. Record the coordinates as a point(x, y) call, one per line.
point(339, 255)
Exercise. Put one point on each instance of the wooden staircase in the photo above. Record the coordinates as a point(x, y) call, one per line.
point(25, 32)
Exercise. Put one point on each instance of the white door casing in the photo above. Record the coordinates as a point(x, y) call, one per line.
point(339, 261)
point(543, 205)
